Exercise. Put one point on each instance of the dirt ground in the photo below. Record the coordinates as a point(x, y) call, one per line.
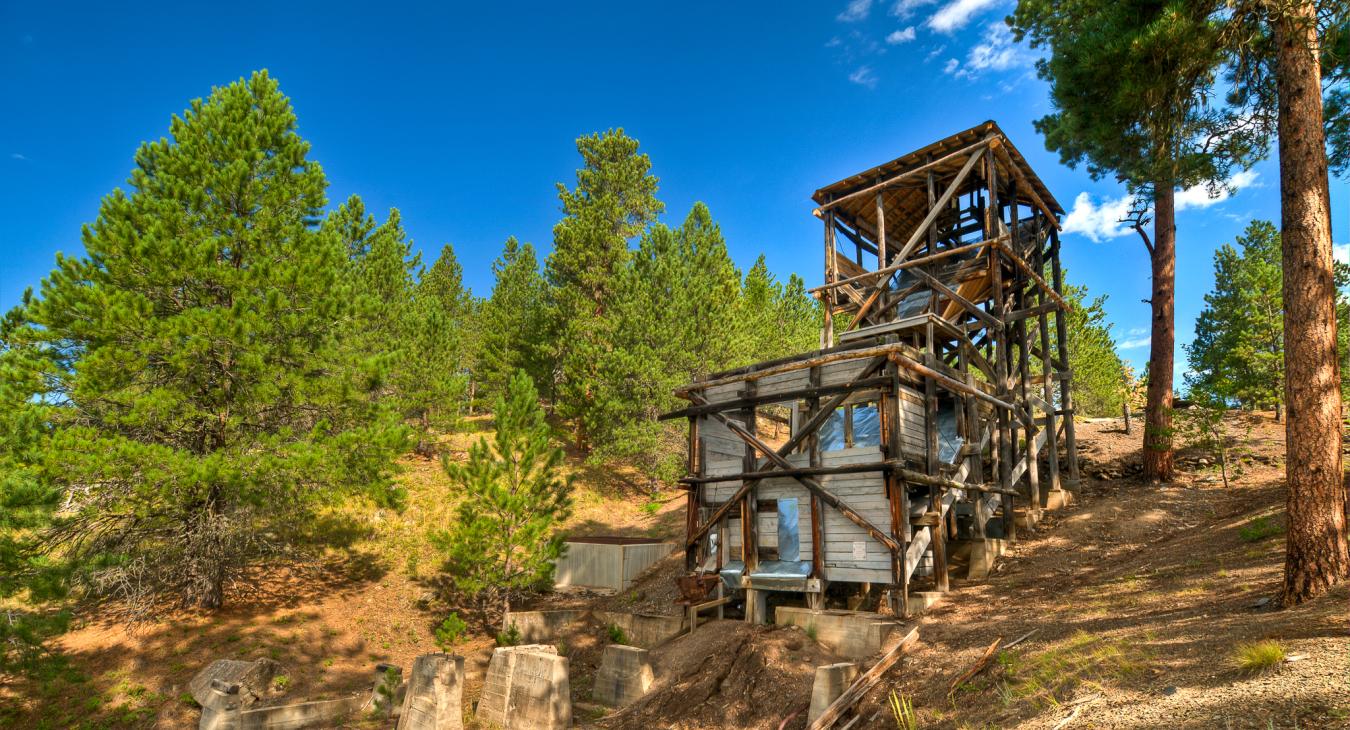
point(1138, 596)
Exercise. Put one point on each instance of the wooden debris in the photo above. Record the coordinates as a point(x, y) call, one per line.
point(1021, 639)
point(975, 669)
point(863, 683)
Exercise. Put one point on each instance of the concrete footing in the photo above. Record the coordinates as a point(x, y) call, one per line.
point(983, 553)
point(831, 681)
point(526, 687)
point(625, 675)
point(853, 634)
point(642, 630)
point(434, 696)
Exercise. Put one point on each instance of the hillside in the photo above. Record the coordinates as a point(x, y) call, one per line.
point(1139, 597)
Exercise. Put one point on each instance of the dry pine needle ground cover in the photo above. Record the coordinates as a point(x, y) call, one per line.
point(1140, 597)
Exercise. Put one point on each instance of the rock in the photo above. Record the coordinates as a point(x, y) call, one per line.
point(831, 681)
point(1169, 690)
point(1261, 602)
point(253, 679)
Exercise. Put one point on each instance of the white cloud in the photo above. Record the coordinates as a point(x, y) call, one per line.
point(952, 65)
point(1201, 196)
point(956, 14)
point(1098, 221)
point(1134, 344)
point(906, 8)
point(1137, 331)
point(17, 156)
point(855, 10)
point(864, 76)
point(996, 52)
point(901, 36)
point(934, 53)
point(1341, 252)
point(1101, 221)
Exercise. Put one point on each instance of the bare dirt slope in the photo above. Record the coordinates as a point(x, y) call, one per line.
point(1139, 595)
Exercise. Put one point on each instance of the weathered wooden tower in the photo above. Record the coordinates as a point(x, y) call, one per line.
point(937, 408)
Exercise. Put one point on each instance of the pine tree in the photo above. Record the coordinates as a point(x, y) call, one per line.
point(202, 389)
point(705, 299)
point(1238, 350)
point(514, 321)
point(515, 498)
point(1130, 87)
point(614, 201)
point(756, 315)
point(440, 358)
point(28, 503)
point(1100, 378)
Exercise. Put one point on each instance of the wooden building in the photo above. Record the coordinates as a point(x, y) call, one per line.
point(937, 409)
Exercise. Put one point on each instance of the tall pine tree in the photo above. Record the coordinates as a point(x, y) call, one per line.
point(203, 397)
point(514, 322)
point(613, 202)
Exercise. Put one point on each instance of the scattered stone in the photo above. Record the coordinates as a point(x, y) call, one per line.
point(625, 675)
point(1170, 690)
point(434, 695)
point(1261, 602)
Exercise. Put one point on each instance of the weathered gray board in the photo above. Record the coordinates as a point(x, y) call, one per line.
point(615, 567)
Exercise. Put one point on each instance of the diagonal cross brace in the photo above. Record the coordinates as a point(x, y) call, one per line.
point(811, 484)
point(806, 430)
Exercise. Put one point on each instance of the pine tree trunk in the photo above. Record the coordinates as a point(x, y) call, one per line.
point(1316, 555)
point(1158, 411)
point(1279, 412)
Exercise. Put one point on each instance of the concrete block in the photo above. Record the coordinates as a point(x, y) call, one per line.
point(852, 634)
point(526, 687)
point(625, 675)
point(983, 553)
point(831, 681)
point(1057, 498)
point(921, 601)
point(253, 679)
point(643, 630)
point(434, 696)
point(541, 626)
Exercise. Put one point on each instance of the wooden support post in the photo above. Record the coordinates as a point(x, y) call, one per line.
point(694, 500)
point(999, 338)
point(881, 232)
point(1047, 367)
point(1062, 345)
point(831, 273)
point(939, 544)
point(1024, 369)
point(817, 513)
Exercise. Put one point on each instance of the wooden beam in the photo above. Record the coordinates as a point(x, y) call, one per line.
point(864, 683)
point(922, 230)
point(811, 484)
point(800, 471)
point(971, 248)
point(907, 174)
point(787, 367)
point(783, 397)
point(1026, 269)
point(966, 304)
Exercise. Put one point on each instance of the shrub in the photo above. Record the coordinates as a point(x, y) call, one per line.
point(1259, 657)
point(450, 632)
point(510, 637)
point(1259, 529)
point(616, 634)
point(903, 711)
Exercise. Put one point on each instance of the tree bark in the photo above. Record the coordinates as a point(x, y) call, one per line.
point(1158, 412)
point(1316, 554)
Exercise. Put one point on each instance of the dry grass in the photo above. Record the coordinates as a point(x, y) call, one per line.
point(1258, 657)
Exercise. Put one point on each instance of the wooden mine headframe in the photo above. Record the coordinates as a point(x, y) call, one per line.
point(941, 390)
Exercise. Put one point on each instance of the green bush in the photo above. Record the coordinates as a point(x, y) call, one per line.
point(616, 634)
point(510, 637)
point(450, 632)
point(1259, 529)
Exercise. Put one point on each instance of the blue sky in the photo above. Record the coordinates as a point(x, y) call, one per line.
point(464, 117)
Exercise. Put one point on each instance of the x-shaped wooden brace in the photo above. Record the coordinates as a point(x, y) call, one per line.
point(777, 458)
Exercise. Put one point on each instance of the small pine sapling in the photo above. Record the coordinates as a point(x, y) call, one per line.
point(515, 497)
point(450, 632)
